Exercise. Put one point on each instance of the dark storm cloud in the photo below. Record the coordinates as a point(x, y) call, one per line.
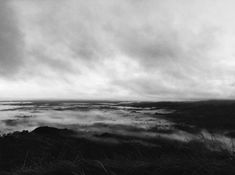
point(11, 44)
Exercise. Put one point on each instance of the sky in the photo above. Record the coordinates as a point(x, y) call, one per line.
point(117, 49)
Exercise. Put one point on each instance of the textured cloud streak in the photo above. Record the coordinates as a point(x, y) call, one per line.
point(11, 54)
point(127, 49)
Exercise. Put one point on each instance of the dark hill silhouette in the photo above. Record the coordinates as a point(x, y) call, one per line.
point(49, 151)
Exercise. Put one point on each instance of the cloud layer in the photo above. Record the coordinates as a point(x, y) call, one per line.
point(127, 49)
point(11, 51)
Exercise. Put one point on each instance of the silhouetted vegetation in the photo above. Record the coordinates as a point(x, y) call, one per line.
point(51, 151)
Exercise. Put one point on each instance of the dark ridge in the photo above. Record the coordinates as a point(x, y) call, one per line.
point(50, 131)
point(213, 115)
point(181, 104)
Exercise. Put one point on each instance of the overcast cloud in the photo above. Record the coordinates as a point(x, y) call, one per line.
point(11, 51)
point(117, 49)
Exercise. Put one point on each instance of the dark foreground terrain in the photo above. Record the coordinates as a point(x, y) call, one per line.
point(51, 151)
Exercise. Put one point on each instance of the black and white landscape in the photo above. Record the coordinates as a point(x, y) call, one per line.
point(117, 87)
